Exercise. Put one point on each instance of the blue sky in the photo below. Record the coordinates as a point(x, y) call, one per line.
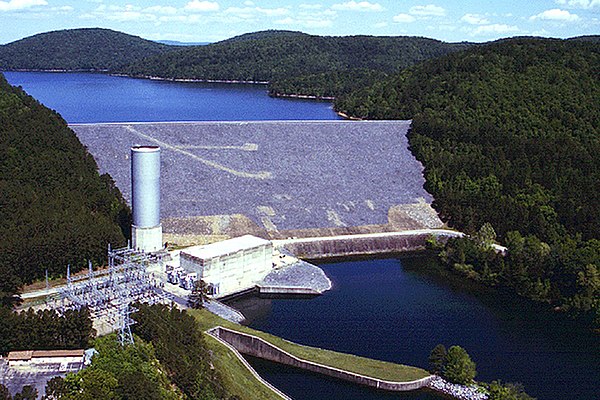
point(213, 20)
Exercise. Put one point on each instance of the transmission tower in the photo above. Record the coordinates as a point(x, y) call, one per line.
point(109, 293)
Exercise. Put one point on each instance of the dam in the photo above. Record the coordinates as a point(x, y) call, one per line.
point(273, 179)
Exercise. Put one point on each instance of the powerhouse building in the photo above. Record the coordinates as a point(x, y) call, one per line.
point(230, 266)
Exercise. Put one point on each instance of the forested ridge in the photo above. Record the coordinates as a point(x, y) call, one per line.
point(293, 62)
point(279, 57)
point(90, 49)
point(55, 208)
point(509, 136)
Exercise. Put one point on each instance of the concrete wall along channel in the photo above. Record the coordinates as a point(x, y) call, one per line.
point(257, 347)
point(362, 244)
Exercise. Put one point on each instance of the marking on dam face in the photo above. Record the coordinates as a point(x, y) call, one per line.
point(245, 147)
point(370, 204)
point(334, 218)
point(212, 164)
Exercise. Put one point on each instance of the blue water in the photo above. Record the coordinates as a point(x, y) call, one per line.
point(398, 310)
point(84, 97)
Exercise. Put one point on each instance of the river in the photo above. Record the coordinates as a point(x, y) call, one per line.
point(390, 309)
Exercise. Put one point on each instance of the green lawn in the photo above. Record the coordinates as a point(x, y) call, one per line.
point(235, 376)
point(364, 366)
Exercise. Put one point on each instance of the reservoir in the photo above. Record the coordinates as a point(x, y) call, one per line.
point(88, 98)
point(394, 309)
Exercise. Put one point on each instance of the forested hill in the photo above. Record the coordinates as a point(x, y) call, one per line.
point(509, 133)
point(91, 49)
point(273, 55)
point(55, 209)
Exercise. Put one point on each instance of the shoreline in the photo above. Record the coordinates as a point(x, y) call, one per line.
point(302, 96)
point(190, 80)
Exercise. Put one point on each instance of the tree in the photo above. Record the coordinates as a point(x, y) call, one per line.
point(509, 391)
point(4, 393)
point(486, 236)
point(98, 384)
point(27, 393)
point(199, 294)
point(437, 358)
point(135, 385)
point(56, 388)
point(459, 368)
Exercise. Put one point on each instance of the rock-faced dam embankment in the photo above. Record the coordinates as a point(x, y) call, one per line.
point(282, 175)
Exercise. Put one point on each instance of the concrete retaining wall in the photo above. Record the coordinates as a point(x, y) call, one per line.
point(280, 290)
point(357, 246)
point(257, 347)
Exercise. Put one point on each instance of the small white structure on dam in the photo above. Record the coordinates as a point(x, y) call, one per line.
point(231, 265)
point(146, 231)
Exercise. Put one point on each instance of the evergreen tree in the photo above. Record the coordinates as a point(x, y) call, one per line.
point(4, 393)
point(437, 359)
point(55, 389)
point(27, 393)
point(459, 368)
point(199, 294)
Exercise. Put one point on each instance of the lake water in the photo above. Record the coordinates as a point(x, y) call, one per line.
point(390, 309)
point(86, 98)
point(398, 309)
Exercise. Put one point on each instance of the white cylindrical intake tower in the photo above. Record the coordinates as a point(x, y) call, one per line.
point(146, 231)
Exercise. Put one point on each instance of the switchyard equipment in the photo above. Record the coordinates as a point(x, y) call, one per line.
point(109, 293)
point(146, 231)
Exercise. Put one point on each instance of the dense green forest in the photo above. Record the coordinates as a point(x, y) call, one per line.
point(55, 209)
point(44, 330)
point(180, 347)
point(91, 49)
point(274, 55)
point(509, 135)
point(117, 373)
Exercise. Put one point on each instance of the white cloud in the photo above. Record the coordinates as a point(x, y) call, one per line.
point(404, 18)
point(429, 10)
point(311, 6)
point(127, 13)
point(129, 16)
point(357, 6)
point(556, 15)
point(165, 10)
point(495, 29)
point(273, 12)
point(197, 5)
point(253, 12)
point(585, 4)
point(475, 19)
point(249, 3)
point(305, 22)
point(380, 25)
point(14, 5)
point(310, 18)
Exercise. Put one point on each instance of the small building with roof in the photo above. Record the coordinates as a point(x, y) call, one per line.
point(229, 266)
point(71, 359)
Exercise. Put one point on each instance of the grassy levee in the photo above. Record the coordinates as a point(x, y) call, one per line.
point(235, 376)
point(359, 365)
